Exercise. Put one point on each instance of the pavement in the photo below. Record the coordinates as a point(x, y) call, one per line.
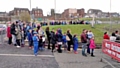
point(12, 57)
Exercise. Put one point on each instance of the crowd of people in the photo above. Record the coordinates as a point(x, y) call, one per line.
point(18, 32)
point(115, 37)
point(64, 23)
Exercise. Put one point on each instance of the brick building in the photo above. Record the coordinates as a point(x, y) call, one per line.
point(18, 11)
point(37, 13)
point(81, 12)
point(4, 16)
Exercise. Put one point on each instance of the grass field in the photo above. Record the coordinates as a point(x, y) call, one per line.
point(98, 30)
point(77, 29)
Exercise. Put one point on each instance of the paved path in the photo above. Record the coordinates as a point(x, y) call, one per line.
point(66, 60)
point(12, 57)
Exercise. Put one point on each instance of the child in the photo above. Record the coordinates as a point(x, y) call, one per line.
point(35, 43)
point(40, 44)
point(64, 41)
point(29, 35)
point(75, 44)
point(92, 46)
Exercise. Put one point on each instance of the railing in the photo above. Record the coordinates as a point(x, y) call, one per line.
point(112, 49)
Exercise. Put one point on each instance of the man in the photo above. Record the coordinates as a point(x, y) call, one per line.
point(83, 41)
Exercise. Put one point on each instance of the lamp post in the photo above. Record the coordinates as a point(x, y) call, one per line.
point(110, 15)
point(55, 9)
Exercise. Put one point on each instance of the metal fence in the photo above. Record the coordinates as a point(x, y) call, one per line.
point(2, 36)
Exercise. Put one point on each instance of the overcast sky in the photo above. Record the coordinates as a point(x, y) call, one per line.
point(46, 5)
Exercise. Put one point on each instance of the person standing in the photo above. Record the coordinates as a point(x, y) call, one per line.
point(106, 36)
point(18, 35)
point(13, 32)
point(53, 40)
point(92, 46)
point(64, 41)
point(35, 43)
point(59, 40)
point(75, 43)
point(48, 36)
point(83, 41)
point(89, 36)
point(69, 40)
point(9, 35)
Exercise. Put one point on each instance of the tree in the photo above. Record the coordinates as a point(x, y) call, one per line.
point(25, 16)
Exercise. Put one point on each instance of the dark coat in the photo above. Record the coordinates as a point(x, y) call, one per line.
point(48, 34)
point(53, 37)
point(59, 37)
point(13, 29)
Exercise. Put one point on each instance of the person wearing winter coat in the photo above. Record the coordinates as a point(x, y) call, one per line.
point(70, 41)
point(29, 36)
point(48, 36)
point(9, 35)
point(92, 46)
point(53, 40)
point(13, 32)
point(59, 40)
point(75, 44)
point(35, 43)
point(18, 35)
point(64, 41)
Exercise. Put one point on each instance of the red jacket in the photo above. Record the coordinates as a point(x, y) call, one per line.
point(106, 36)
point(9, 32)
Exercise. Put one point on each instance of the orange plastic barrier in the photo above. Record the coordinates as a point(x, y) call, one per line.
point(112, 49)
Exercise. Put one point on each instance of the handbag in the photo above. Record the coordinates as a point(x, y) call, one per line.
point(67, 38)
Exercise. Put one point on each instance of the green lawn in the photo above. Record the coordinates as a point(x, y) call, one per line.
point(77, 29)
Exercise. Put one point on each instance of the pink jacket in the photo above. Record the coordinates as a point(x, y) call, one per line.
point(92, 44)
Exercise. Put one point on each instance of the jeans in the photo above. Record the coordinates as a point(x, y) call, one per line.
point(84, 45)
point(13, 39)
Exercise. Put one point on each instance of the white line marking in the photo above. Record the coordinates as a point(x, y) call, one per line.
point(25, 55)
point(109, 63)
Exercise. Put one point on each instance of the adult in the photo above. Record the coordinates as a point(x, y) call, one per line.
point(53, 40)
point(59, 40)
point(113, 37)
point(9, 34)
point(83, 41)
point(18, 35)
point(117, 35)
point(106, 36)
point(89, 36)
point(69, 40)
point(13, 32)
point(48, 36)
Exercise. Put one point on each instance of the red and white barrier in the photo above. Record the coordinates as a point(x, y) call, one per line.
point(112, 49)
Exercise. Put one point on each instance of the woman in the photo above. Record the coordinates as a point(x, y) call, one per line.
point(48, 36)
point(9, 34)
point(59, 40)
point(106, 36)
point(70, 42)
point(53, 40)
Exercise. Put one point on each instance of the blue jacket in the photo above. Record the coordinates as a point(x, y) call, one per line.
point(59, 37)
point(29, 35)
point(64, 39)
point(75, 40)
point(35, 40)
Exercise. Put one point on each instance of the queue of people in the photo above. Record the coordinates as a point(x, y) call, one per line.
point(18, 32)
point(115, 37)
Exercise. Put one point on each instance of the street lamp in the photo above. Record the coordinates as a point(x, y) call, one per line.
point(110, 15)
point(55, 9)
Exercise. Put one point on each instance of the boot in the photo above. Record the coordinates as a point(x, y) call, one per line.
point(92, 55)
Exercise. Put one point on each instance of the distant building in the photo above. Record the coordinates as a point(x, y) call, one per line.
point(37, 13)
point(81, 12)
point(94, 12)
point(4, 16)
